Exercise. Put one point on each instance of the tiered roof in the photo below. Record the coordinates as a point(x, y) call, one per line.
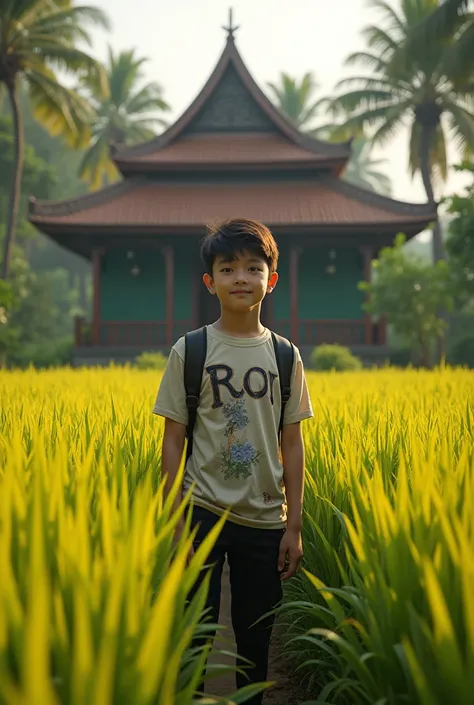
point(231, 153)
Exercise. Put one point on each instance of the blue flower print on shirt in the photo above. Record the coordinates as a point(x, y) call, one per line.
point(238, 456)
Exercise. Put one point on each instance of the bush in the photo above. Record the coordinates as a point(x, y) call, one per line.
point(151, 361)
point(57, 353)
point(401, 357)
point(462, 351)
point(334, 357)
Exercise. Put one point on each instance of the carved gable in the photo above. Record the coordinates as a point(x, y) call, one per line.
point(231, 108)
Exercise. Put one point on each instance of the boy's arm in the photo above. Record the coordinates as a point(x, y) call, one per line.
point(292, 450)
point(171, 454)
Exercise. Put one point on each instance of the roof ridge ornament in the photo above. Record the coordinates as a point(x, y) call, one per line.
point(231, 29)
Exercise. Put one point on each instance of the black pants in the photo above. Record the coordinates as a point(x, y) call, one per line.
point(255, 583)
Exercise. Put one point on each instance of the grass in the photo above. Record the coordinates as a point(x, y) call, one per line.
point(92, 606)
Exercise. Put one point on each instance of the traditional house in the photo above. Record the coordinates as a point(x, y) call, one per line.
point(231, 154)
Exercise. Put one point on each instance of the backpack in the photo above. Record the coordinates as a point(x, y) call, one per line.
point(194, 361)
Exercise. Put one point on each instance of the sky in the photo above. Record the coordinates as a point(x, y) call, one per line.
point(183, 40)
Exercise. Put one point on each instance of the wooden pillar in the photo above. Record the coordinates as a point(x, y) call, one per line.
point(367, 254)
point(295, 252)
point(97, 254)
point(196, 294)
point(168, 253)
point(383, 331)
point(78, 326)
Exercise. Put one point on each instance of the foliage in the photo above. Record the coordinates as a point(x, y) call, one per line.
point(151, 361)
point(363, 170)
point(46, 304)
point(41, 313)
point(419, 91)
point(334, 357)
point(48, 41)
point(128, 113)
point(382, 613)
point(86, 551)
point(460, 244)
point(92, 583)
point(8, 334)
point(38, 175)
point(295, 98)
point(44, 354)
point(451, 17)
point(40, 38)
point(461, 351)
point(410, 294)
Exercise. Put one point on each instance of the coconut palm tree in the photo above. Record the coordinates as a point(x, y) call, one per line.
point(363, 170)
point(38, 37)
point(127, 114)
point(451, 18)
point(418, 93)
point(295, 98)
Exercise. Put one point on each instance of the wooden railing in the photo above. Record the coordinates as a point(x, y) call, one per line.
point(152, 334)
point(133, 334)
point(348, 332)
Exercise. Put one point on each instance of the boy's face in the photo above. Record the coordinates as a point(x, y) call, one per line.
point(240, 282)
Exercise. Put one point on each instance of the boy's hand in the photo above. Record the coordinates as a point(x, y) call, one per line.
point(291, 553)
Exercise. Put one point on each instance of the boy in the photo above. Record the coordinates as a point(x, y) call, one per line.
point(236, 462)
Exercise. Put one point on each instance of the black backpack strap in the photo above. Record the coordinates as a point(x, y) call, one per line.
point(285, 357)
point(194, 361)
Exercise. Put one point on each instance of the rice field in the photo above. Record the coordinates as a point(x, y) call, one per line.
point(92, 590)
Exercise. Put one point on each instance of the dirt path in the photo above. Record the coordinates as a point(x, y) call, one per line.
point(284, 692)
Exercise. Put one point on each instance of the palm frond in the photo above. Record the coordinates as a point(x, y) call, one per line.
point(362, 100)
point(442, 23)
point(65, 58)
point(71, 23)
point(96, 164)
point(392, 19)
point(375, 84)
point(380, 40)
point(292, 97)
point(59, 109)
point(461, 123)
point(459, 57)
point(147, 99)
point(438, 155)
point(393, 122)
point(367, 59)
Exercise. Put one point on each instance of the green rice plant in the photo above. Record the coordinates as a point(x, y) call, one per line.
point(389, 533)
point(93, 587)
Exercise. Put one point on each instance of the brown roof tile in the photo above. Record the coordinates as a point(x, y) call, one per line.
point(236, 148)
point(230, 57)
point(137, 202)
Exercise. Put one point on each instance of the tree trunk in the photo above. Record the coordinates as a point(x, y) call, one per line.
point(15, 192)
point(427, 135)
point(425, 352)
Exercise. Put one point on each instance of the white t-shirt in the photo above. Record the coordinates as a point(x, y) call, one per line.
point(236, 461)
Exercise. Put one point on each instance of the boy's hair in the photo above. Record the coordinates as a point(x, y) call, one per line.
point(232, 237)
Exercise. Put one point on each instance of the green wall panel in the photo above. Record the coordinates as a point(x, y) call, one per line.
point(186, 260)
point(124, 297)
point(281, 295)
point(322, 295)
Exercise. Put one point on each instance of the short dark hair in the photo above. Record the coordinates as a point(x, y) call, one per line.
point(232, 237)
